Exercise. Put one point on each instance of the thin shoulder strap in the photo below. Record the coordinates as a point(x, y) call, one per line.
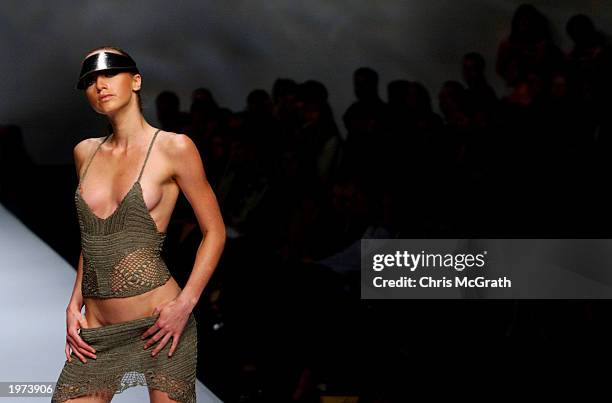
point(147, 156)
point(92, 157)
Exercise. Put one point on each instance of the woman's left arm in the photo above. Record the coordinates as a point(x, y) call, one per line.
point(188, 172)
point(191, 178)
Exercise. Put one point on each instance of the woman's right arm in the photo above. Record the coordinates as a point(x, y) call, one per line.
point(76, 321)
point(74, 318)
point(76, 300)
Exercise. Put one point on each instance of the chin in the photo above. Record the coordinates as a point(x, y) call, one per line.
point(106, 110)
point(103, 111)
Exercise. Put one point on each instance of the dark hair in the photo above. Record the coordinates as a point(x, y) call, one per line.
point(283, 87)
point(257, 97)
point(580, 28)
point(539, 28)
point(123, 52)
point(396, 91)
point(368, 73)
point(312, 91)
point(478, 60)
point(169, 100)
point(422, 95)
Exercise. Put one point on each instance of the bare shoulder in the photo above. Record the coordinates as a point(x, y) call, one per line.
point(84, 148)
point(182, 155)
point(176, 145)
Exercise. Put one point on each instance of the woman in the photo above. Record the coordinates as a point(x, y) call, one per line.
point(138, 327)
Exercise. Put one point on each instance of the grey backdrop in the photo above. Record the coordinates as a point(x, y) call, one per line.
point(232, 47)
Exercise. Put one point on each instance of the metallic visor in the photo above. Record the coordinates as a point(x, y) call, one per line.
point(104, 61)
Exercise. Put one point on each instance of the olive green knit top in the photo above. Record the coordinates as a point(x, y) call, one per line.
point(121, 253)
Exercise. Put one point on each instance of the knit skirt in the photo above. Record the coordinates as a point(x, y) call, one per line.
point(122, 362)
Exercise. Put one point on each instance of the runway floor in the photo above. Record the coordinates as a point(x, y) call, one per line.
point(35, 287)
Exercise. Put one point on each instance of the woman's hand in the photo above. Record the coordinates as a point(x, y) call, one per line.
point(173, 316)
point(74, 322)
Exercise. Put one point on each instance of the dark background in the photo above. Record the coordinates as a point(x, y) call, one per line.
point(303, 170)
point(232, 47)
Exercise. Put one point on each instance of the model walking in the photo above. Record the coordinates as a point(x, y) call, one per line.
point(138, 327)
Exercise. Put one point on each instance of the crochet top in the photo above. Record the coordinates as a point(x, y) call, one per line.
point(121, 253)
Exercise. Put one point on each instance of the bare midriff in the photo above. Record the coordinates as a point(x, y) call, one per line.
point(108, 311)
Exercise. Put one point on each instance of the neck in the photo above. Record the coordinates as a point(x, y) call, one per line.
point(129, 127)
